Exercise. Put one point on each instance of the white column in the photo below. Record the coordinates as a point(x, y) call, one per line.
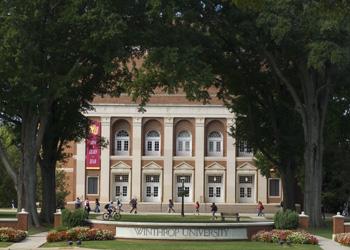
point(80, 170)
point(168, 159)
point(230, 165)
point(199, 161)
point(136, 157)
point(261, 188)
point(105, 159)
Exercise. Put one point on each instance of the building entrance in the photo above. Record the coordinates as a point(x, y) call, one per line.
point(152, 188)
point(215, 188)
point(246, 189)
point(121, 187)
point(187, 187)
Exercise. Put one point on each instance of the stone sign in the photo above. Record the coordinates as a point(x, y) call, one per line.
point(182, 233)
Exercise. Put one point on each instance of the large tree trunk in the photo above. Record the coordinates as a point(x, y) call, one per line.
point(48, 174)
point(29, 133)
point(288, 176)
point(313, 171)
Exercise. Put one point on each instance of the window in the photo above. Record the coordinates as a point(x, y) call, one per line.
point(274, 187)
point(186, 178)
point(121, 178)
point(214, 178)
point(121, 143)
point(152, 143)
point(245, 179)
point(152, 178)
point(183, 145)
point(244, 148)
point(92, 185)
point(215, 144)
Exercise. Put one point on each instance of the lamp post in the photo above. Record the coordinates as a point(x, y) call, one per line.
point(182, 196)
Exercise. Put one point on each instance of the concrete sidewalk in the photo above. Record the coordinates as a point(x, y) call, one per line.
point(328, 244)
point(31, 242)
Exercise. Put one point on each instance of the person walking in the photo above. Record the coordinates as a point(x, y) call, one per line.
point(214, 209)
point(171, 206)
point(196, 207)
point(133, 204)
point(77, 203)
point(260, 209)
point(87, 206)
point(119, 205)
point(97, 206)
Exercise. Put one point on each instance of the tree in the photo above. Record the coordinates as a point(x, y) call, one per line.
point(303, 44)
point(46, 50)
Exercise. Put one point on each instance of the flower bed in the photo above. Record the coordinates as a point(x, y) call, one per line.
point(8, 234)
point(80, 233)
point(277, 236)
point(343, 238)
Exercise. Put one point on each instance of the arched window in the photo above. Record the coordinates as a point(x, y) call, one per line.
point(152, 143)
point(215, 144)
point(122, 143)
point(183, 143)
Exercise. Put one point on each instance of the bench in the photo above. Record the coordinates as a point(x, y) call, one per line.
point(229, 215)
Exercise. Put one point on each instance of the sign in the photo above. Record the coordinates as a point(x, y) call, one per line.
point(182, 233)
point(93, 148)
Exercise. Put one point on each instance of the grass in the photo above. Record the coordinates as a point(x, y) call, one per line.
point(42, 228)
point(171, 218)
point(182, 245)
point(325, 231)
point(5, 244)
point(5, 214)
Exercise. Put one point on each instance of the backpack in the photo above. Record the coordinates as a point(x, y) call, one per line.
point(106, 206)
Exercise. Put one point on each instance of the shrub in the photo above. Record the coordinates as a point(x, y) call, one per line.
point(74, 218)
point(295, 237)
point(12, 235)
point(286, 220)
point(80, 233)
point(343, 238)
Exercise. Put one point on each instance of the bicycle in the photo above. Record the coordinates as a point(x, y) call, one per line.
point(114, 215)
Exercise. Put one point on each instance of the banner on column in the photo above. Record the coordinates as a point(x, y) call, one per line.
point(93, 147)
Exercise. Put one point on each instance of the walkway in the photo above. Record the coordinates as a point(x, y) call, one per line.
point(328, 244)
point(31, 242)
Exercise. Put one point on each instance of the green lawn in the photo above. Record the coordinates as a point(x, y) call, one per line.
point(5, 214)
point(324, 231)
point(169, 218)
point(5, 244)
point(183, 245)
point(42, 228)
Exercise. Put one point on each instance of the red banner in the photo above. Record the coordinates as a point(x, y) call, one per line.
point(93, 148)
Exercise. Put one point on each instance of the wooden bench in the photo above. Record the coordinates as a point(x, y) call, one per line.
point(229, 215)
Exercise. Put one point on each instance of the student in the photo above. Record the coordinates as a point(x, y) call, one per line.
point(77, 203)
point(97, 206)
point(196, 207)
point(87, 206)
point(171, 206)
point(214, 209)
point(119, 205)
point(260, 209)
point(133, 204)
point(110, 207)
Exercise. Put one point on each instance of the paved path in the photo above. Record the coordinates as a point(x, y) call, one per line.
point(31, 242)
point(328, 244)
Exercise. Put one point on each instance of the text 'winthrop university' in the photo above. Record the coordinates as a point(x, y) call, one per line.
point(185, 232)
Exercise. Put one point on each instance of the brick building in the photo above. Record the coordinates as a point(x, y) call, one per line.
point(150, 154)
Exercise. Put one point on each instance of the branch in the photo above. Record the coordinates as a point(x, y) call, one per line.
point(285, 81)
point(8, 167)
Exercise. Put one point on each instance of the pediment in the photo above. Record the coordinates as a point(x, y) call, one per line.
point(246, 166)
point(152, 165)
point(215, 166)
point(120, 165)
point(183, 166)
